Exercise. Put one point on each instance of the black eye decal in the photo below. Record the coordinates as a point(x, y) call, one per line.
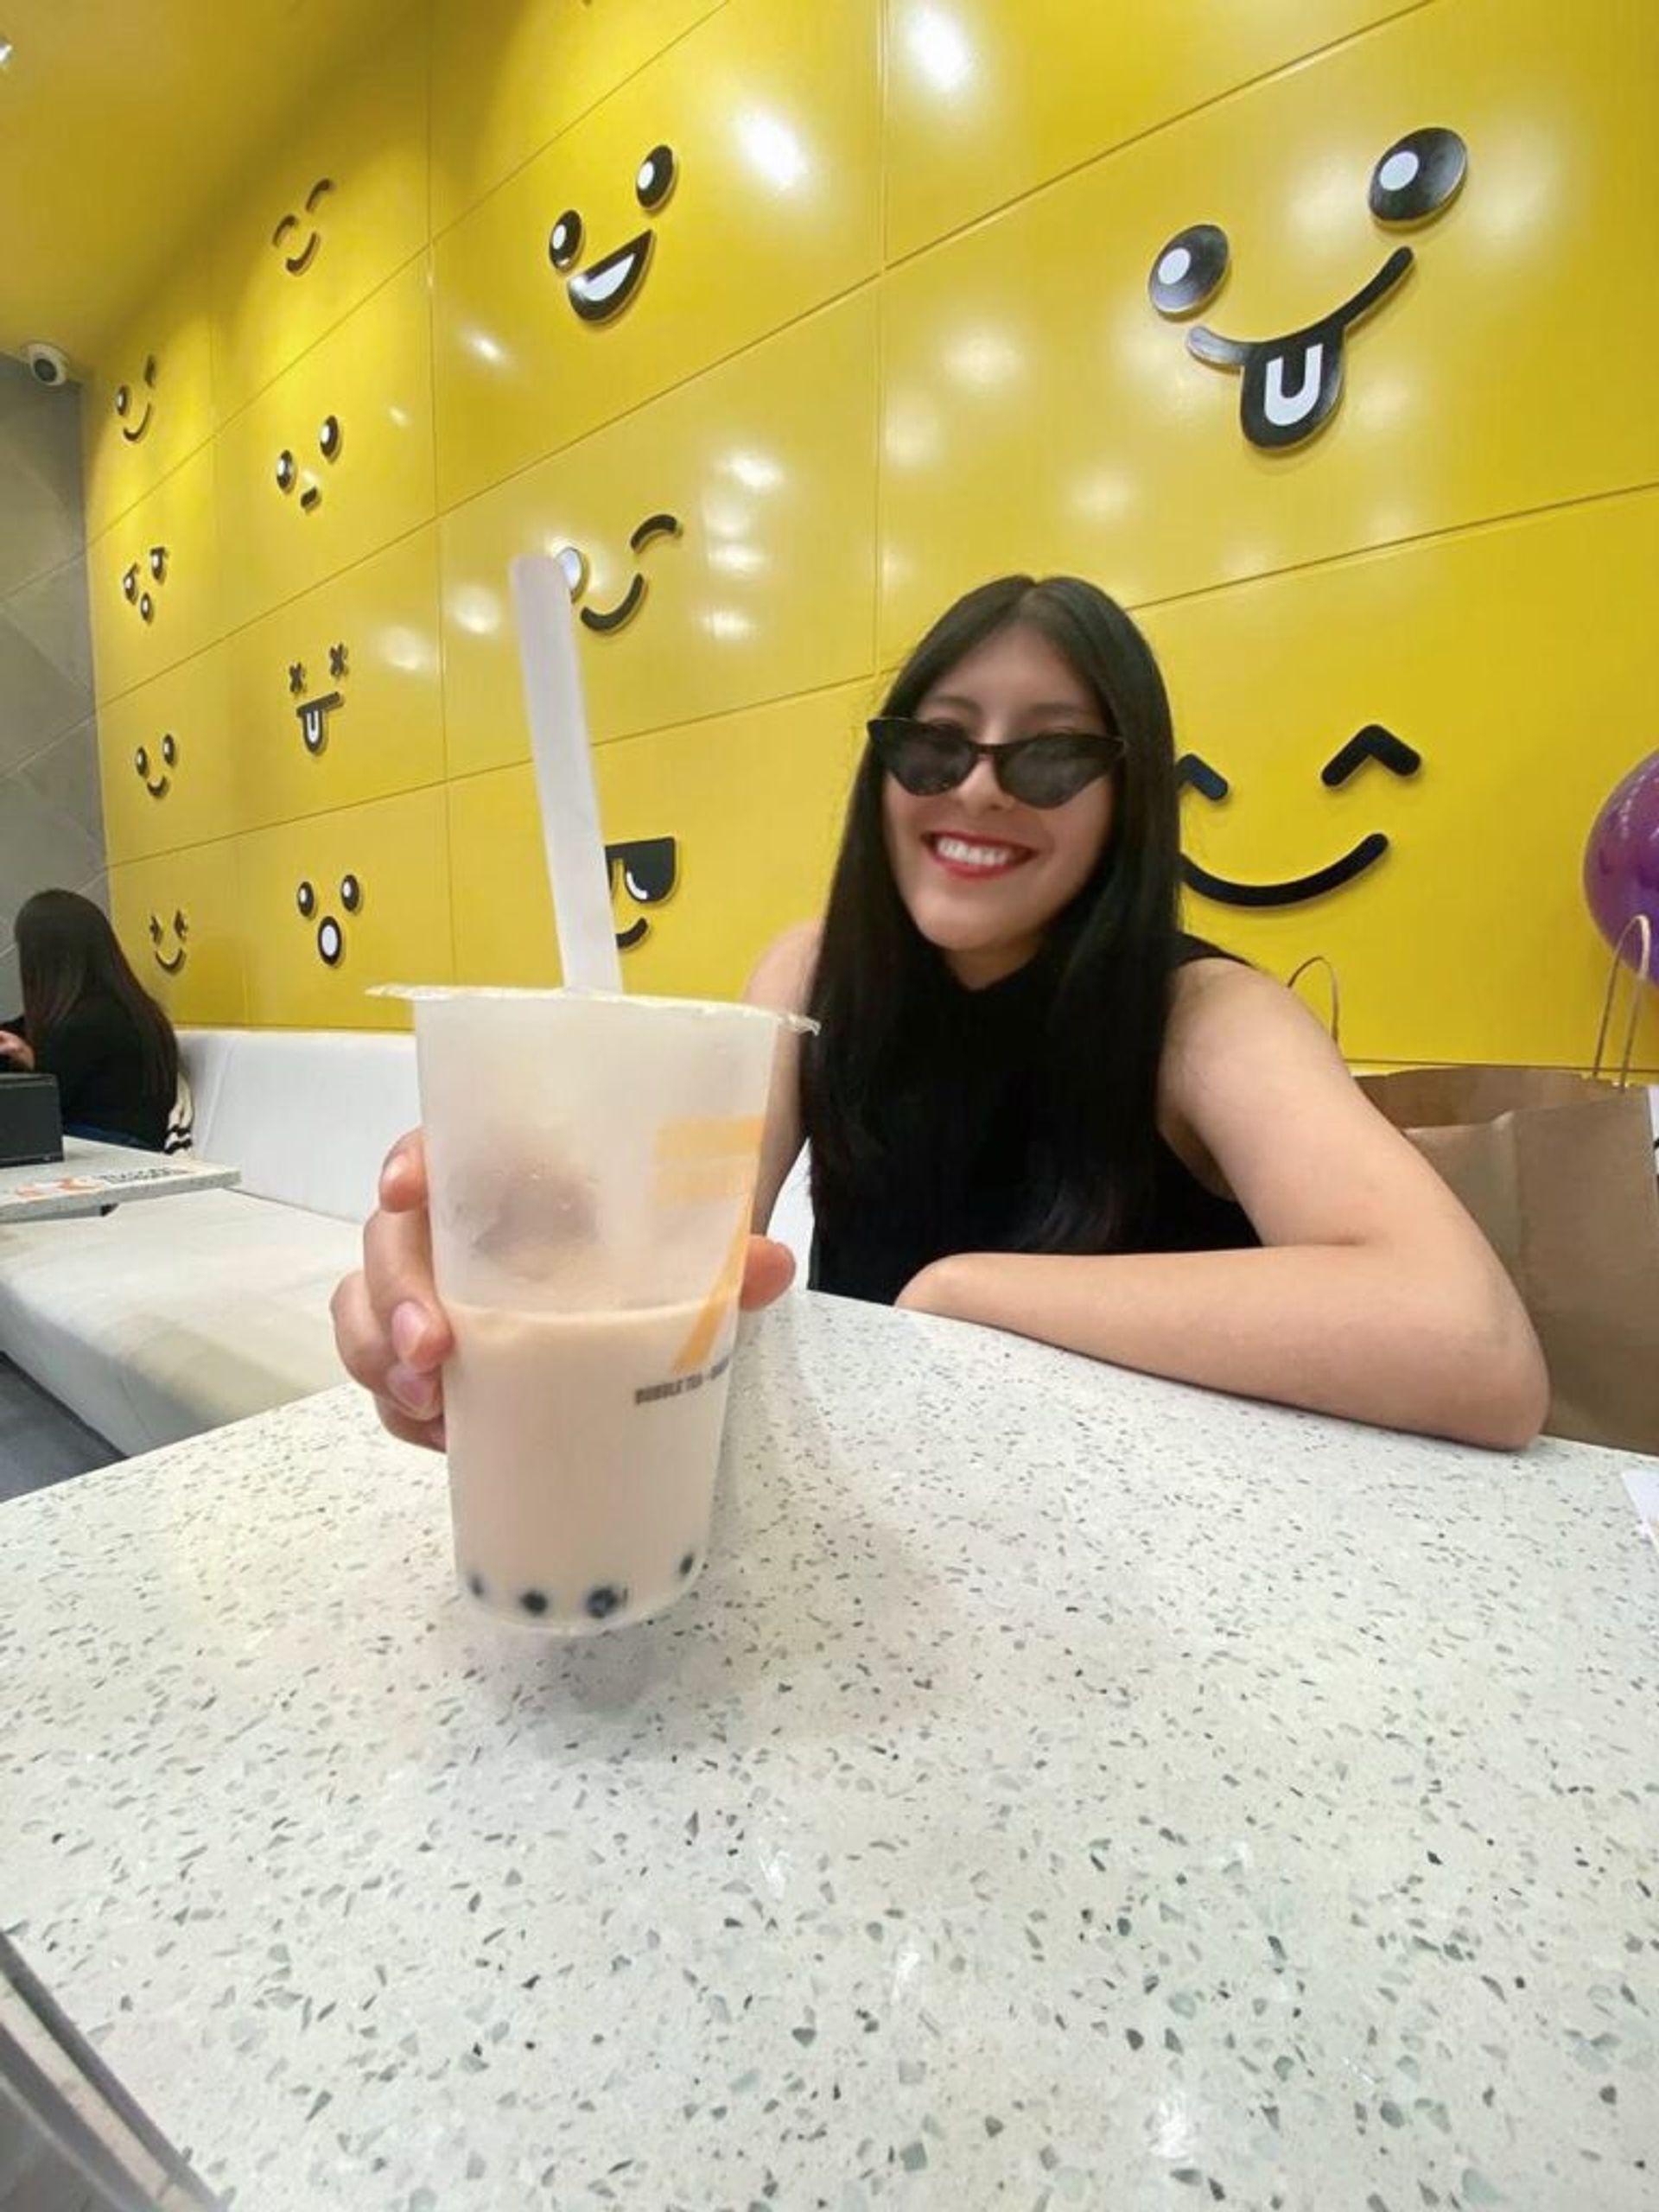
point(180, 927)
point(149, 368)
point(1192, 768)
point(170, 751)
point(1419, 175)
point(1189, 270)
point(564, 239)
point(656, 178)
point(141, 761)
point(350, 893)
point(129, 581)
point(147, 606)
point(328, 437)
point(123, 399)
point(306, 899)
point(155, 931)
point(158, 562)
point(286, 470)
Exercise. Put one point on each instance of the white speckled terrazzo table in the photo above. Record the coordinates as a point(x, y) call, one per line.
point(1063, 1789)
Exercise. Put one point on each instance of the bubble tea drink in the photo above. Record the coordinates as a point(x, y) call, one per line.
point(592, 1162)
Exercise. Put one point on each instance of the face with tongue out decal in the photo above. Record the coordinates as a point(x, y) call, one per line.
point(598, 291)
point(1291, 384)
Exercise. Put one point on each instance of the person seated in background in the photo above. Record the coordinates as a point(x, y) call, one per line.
point(90, 1022)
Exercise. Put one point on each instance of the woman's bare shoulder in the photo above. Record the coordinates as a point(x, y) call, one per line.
point(783, 975)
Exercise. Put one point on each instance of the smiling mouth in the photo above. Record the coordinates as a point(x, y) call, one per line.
point(156, 790)
point(1293, 383)
point(298, 265)
point(974, 860)
point(613, 618)
point(132, 436)
point(311, 495)
point(1364, 855)
point(604, 289)
point(171, 966)
point(627, 938)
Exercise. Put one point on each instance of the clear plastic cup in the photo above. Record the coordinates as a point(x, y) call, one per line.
point(592, 1164)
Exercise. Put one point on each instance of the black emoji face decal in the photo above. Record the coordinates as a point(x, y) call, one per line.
point(134, 406)
point(297, 258)
point(134, 588)
point(1292, 384)
point(1371, 743)
point(649, 868)
point(169, 963)
point(166, 760)
point(331, 440)
point(601, 291)
point(312, 714)
point(331, 936)
point(574, 562)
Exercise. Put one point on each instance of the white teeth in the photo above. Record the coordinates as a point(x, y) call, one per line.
point(966, 856)
point(599, 288)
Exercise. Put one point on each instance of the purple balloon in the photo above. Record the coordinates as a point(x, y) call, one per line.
point(1621, 862)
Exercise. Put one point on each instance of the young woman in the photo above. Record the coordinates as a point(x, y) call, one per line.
point(88, 1020)
point(1035, 1104)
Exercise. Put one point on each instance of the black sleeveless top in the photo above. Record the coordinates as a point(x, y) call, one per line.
point(989, 1048)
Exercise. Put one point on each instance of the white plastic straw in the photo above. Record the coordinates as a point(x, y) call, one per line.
point(564, 776)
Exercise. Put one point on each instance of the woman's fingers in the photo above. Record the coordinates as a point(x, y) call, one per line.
point(767, 1273)
point(403, 1179)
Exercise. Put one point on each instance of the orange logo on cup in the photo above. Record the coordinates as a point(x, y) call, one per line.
point(701, 1160)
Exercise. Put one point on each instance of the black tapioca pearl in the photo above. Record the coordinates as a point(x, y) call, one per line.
point(534, 1601)
point(687, 1564)
point(608, 1599)
point(475, 1584)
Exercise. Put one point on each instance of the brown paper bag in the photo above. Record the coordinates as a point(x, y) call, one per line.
point(1559, 1171)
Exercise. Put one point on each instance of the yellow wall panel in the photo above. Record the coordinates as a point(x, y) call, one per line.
point(1038, 412)
point(1506, 659)
point(340, 208)
point(178, 917)
point(335, 904)
point(754, 803)
point(764, 585)
point(509, 75)
point(769, 112)
point(336, 697)
point(150, 404)
point(986, 98)
point(167, 760)
point(153, 580)
point(335, 458)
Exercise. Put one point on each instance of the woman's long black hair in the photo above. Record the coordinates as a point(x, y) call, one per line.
point(67, 952)
point(881, 990)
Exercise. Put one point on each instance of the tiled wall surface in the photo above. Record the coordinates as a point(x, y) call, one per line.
point(51, 821)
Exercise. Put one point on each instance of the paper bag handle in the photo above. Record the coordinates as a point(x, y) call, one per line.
point(1319, 960)
point(1641, 928)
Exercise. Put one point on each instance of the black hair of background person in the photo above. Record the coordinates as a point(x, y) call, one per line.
point(90, 1021)
point(881, 992)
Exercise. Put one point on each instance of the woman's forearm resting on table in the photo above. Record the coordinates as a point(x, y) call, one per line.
point(1334, 1329)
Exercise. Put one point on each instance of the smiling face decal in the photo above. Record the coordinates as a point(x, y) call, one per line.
point(331, 936)
point(1371, 743)
point(170, 962)
point(133, 408)
point(135, 591)
point(312, 714)
point(1292, 384)
point(297, 257)
point(331, 440)
point(650, 867)
point(166, 758)
point(574, 562)
point(601, 291)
